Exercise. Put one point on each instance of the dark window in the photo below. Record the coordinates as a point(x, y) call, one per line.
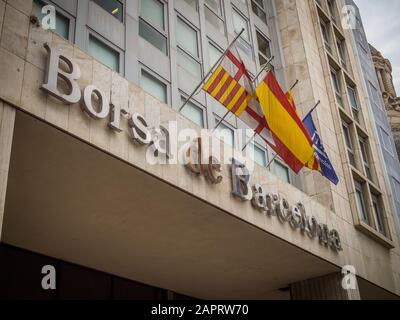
point(114, 7)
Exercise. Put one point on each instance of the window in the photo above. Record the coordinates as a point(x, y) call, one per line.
point(62, 22)
point(154, 86)
point(225, 133)
point(193, 112)
point(365, 157)
point(325, 36)
point(213, 53)
point(193, 4)
point(396, 194)
point(353, 103)
point(258, 8)
point(239, 23)
point(104, 53)
point(152, 25)
point(375, 96)
point(281, 171)
point(361, 202)
point(332, 10)
point(349, 144)
point(188, 50)
point(244, 42)
point(214, 15)
point(215, 6)
point(114, 7)
point(337, 87)
point(341, 51)
point(380, 224)
point(257, 154)
point(264, 48)
point(386, 141)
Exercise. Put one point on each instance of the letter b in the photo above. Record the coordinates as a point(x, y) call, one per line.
point(53, 71)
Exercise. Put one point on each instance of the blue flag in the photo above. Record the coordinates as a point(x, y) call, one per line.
point(327, 169)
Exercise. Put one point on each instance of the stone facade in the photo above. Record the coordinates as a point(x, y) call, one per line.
point(392, 101)
point(376, 257)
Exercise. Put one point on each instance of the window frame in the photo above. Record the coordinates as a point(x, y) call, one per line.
point(337, 85)
point(122, 2)
point(256, 145)
point(164, 32)
point(263, 10)
point(197, 59)
point(349, 140)
point(359, 189)
point(259, 52)
point(379, 217)
point(281, 163)
point(382, 133)
point(157, 77)
point(227, 125)
point(64, 14)
point(197, 105)
point(107, 43)
point(364, 149)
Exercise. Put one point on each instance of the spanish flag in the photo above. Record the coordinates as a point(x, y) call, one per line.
point(292, 140)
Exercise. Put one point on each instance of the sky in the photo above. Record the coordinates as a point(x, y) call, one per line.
point(381, 19)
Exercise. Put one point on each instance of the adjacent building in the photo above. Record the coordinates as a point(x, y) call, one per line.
point(392, 101)
point(382, 99)
point(80, 105)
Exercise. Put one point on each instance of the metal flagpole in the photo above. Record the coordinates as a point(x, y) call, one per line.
point(262, 69)
point(211, 70)
point(255, 133)
point(316, 105)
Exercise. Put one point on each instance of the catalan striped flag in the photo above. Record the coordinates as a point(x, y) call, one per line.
point(231, 85)
point(292, 142)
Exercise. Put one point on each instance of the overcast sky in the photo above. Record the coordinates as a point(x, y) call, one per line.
point(382, 24)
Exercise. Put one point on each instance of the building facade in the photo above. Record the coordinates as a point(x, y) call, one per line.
point(78, 191)
point(378, 85)
point(392, 101)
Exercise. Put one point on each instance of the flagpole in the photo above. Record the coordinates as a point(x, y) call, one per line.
point(255, 133)
point(276, 155)
point(226, 114)
point(211, 70)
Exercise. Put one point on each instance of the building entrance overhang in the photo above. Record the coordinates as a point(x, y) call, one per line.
point(71, 201)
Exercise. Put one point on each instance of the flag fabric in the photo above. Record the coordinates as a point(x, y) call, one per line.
point(325, 166)
point(292, 142)
point(230, 84)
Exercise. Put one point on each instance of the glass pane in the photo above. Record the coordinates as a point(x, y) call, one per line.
point(189, 64)
point(194, 113)
point(62, 26)
point(154, 86)
point(153, 11)
point(213, 53)
point(347, 137)
point(104, 53)
point(361, 205)
point(263, 45)
point(239, 23)
point(352, 98)
point(260, 3)
point(215, 5)
point(257, 155)
point(187, 37)
point(62, 22)
point(282, 171)
point(192, 3)
point(378, 214)
point(114, 7)
point(152, 36)
point(225, 134)
point(259, 11)
point(214, 20)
